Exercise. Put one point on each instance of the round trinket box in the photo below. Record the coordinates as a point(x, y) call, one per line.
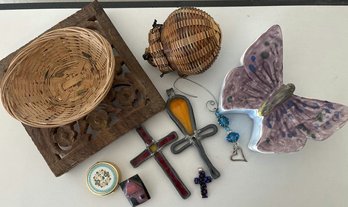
point(103, 178)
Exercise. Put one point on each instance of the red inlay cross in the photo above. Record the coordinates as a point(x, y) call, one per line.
point(154, 148)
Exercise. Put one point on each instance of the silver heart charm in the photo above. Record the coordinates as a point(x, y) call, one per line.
point(238, 152)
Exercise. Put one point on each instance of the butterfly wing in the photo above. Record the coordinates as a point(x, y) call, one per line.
point(248, 86)
point(263, 61)
point(241, 92)
point(288, 126)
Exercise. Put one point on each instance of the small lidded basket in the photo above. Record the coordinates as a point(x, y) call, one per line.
point(58, 78)
point(188, 42)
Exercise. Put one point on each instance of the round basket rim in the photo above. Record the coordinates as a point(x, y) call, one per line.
point(110, 71)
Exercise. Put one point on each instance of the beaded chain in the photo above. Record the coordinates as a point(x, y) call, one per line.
point(222, 120)
point(231, 136)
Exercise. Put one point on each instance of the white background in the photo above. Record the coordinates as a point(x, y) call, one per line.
point(315, 60)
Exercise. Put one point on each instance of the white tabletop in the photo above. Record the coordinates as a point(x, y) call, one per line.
point(315, 60)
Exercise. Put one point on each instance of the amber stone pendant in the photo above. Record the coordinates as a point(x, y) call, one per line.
point(180, 110)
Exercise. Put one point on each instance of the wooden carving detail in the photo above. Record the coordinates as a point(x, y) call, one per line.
point(125, 96)
point(131, 100)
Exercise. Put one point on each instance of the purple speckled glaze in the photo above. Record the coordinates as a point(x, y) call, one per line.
point(286, 120)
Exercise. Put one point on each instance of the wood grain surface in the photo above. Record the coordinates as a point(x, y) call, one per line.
point(131, 100)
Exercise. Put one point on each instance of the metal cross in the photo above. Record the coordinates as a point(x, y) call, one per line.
point(177, 106)
point(153, 149)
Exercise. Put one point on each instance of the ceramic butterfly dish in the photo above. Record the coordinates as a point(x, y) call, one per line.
point(282, 121)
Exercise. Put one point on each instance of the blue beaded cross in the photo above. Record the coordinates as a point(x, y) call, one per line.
point(232, 136)
point(202, 180)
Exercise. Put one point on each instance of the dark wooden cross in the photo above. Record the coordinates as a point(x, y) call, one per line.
point(154, 148)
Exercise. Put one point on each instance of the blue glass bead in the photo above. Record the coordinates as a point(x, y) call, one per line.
point(208, 179)
point(196, 180)
point(232, 137)
point(223, 121)
point(217, 114)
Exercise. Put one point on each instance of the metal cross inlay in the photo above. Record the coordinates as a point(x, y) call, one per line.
point(180, 111)
point(153, 149)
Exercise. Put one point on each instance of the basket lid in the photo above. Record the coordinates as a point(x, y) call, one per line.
point(188, 42)
point(154, 54)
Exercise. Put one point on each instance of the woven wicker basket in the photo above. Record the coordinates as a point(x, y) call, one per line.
point(188, 42)
point(58, 78)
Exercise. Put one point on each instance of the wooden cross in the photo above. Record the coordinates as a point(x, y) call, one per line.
point(154, 148)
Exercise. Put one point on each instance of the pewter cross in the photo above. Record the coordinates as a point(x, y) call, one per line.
point(154, 148)
point(180, 111)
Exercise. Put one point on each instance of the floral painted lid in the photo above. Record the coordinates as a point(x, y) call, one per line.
point(103, 178)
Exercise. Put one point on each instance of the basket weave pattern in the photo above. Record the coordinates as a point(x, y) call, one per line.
point(58, 78)
point(188, 42)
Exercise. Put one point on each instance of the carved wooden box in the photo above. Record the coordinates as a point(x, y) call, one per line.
point(131, 100)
